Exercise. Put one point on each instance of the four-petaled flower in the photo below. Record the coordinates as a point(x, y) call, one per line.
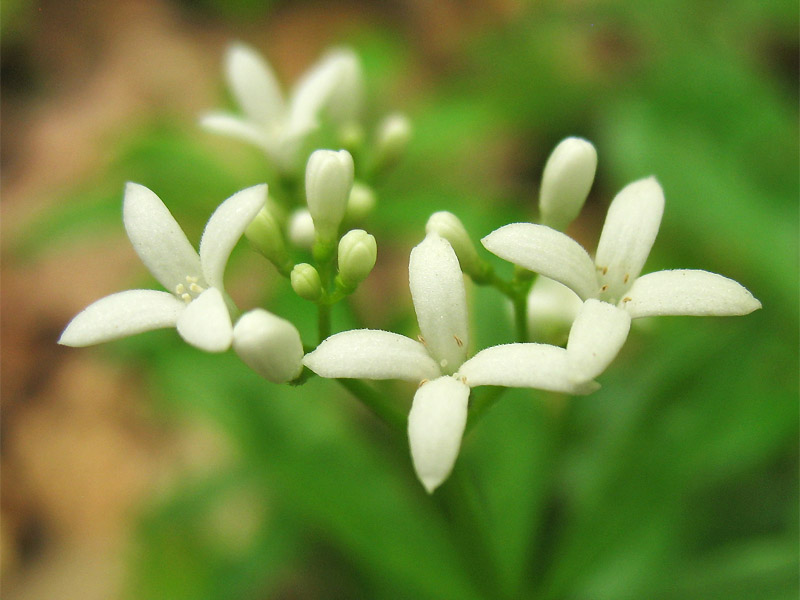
point(279, 125)
point(613, 277)
point(438, 360)
point(196, 303)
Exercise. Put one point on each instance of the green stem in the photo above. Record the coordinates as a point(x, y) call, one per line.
point(323, 321)
point(378, 403)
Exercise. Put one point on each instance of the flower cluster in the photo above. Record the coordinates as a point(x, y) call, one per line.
point(597, 298)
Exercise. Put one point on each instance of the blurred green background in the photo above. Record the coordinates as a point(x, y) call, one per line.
point(147, 469)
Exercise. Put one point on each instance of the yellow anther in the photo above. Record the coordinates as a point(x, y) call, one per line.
point(186, 298)
point(421, 340)
point(627, 299)
point(458, 341)
point(423, 382)
point(180, 289)
point(196, 288)
point(192, 279)
point(625, 279)
point(604, 288)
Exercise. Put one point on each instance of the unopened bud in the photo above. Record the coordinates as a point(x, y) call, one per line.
point(269, 345)
point(357, 253)
point(566, 180)
point(306, 282)
point(329, 177)
point(552, 308)
point(361, 201)
point(391, 140)
point(265, 235)
point(450, 227)
point(301, 228)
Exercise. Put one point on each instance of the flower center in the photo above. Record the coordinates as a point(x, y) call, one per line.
point(190, 290)
point(613, 284)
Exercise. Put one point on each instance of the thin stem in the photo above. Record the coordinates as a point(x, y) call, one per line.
point(377, 403)
point(323, 321)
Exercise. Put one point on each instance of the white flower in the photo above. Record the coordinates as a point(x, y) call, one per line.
point(196, 304)
point(279, 125)
point(613, 277)
point(438, 360)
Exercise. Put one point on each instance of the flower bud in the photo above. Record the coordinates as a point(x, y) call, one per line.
point(301, 228)
point(450, 227)
point(306, 282)
point(552, 308)
point(269, 345)
point(265, 235)
point(361, 201)
point(329, 177)
point(566, 180)
point(391, 140)
point(357, 253)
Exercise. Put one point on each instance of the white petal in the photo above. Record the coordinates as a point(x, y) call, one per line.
point(437, 289)
point(546, 251)
point(628, 234)
point(238, 128)
point(372, 354)
point(540, 366)
point(224, 229)
point(206, 322)
point(269, 345)
point(596, 337)
point(435, 427)
point(347, 97)
point(254, 84)
point(688, 292)
point(157, 238)
point(311, 93)
point(120, 315)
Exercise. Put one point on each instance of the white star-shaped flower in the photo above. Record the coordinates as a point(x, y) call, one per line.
point(613, 276)
point(196, 302)
point(438, 360)
point(277, 124)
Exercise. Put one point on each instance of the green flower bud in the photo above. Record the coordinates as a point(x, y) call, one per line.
point(361, 201)
point(450, 227)
point(391, 140)
point(357, 253)
point(566, 180)
point(329, 177)
point(264, 233)
point(269, 345)
point(306, 282)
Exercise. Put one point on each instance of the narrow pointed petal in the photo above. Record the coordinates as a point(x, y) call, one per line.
point(372, 354)
point(539, 366)
point(157, 238)
point(269, 345)
point(597, 335)
point(311, 93)
point(435, 428)
point(688, 292)
point(545, 251)
point(254, 84)
point(206, 322)
point(224, 229)
point(247, 131)
point(120, 315)
point(628, 234)
point(440, 300)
